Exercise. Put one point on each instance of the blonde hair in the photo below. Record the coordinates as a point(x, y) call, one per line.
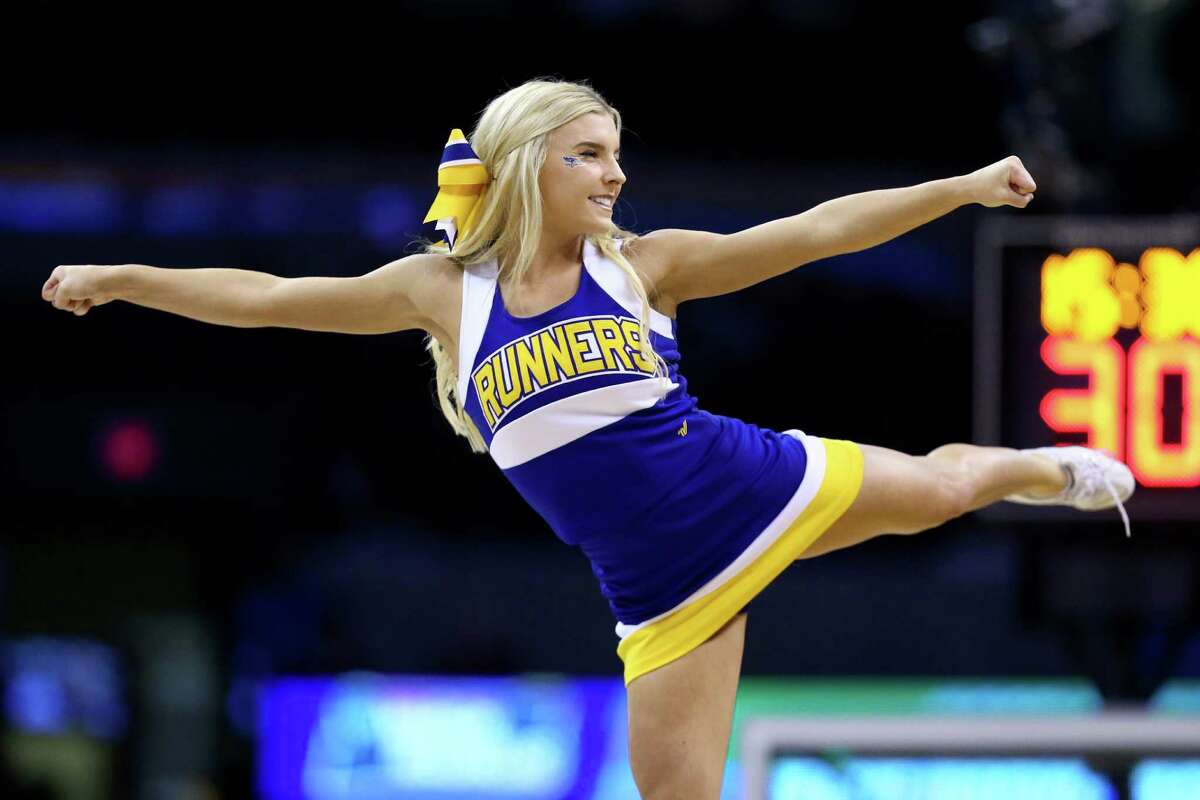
point(510, 140)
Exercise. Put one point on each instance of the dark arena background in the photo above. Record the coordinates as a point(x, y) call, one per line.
point(256, 563)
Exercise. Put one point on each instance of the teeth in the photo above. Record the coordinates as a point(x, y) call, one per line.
point(604, 201)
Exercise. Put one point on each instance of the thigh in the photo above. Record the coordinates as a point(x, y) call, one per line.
point(680, 717)
point(899, 494)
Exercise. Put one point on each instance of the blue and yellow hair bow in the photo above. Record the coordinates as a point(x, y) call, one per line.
point(462, 183)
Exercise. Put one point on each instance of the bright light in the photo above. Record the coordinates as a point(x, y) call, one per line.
point(1086, 298)
point(129, 451)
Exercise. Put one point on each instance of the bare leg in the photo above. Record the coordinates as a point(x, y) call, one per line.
point(680, 717)
point(909, 494)
point(997, 472)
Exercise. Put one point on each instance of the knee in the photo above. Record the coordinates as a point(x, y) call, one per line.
point(671, 759)
point(686, 788)
point(949, 452)
point(677, 781)
point(674, 763)
point(689, 789)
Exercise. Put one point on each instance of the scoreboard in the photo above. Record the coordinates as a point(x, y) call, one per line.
point(1087, 331)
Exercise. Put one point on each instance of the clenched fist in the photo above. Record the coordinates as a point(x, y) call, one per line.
point(1005, 183)
point(78, 287)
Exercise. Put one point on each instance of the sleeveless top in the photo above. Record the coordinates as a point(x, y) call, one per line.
point(658, 494)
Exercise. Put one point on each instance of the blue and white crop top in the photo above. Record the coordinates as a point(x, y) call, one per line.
point(660, 495)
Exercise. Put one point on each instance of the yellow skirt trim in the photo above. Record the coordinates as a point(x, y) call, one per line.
point(673, 636)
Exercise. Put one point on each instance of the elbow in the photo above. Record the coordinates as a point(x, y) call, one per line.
point(264, 304)
point(828, 238)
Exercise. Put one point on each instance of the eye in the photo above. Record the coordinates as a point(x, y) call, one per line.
point(592, 154)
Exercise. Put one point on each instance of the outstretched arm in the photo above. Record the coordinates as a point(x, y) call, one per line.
point(382, 301)
point(686, 265)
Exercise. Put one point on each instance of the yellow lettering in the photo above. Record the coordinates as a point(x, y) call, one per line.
point(485, 389)
point(633, 335)
point(579, 349)
point(530, 364)
point(507, 382)
point(556, 354)
point(608, 334)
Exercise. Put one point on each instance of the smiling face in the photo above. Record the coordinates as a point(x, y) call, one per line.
point(581, 164)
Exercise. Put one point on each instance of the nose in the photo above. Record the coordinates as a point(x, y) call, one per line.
point(615, 174)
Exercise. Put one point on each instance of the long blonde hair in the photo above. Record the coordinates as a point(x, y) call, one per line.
point(510, 140)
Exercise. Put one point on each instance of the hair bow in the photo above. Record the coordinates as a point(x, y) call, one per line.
point(462, 183)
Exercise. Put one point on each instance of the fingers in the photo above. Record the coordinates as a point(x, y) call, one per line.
point(1021, 185)
point(61, 300)
point(51, 283)
point(1022, 188)
point(1019, 178)
point(1018, 200)
point(59, 288)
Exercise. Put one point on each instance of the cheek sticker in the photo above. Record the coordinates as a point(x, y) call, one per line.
point(572, 161)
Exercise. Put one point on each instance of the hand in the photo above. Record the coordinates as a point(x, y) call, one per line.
point(1005, 183)
point(77, 287)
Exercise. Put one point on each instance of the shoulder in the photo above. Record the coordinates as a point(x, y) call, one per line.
point(425, 277)
point(658, 251)
point(433, 285)
point(661, 255)
point(432, 265)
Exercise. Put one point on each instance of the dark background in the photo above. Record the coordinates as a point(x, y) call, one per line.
point(305, 508)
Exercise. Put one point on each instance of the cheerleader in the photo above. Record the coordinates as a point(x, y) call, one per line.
point(553, 333)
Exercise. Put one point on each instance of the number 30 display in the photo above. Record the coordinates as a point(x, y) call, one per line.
point(1086, 299)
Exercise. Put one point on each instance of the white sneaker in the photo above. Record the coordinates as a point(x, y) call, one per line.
point(1096, 481)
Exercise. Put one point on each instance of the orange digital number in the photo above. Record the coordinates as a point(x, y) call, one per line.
point(1097, 410)
point(1086, 298)
point(1153, 462)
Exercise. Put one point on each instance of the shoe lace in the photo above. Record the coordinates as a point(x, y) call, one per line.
point(1094, 478)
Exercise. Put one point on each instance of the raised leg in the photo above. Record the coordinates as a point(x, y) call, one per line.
point(997, 472)
point(908, 494)
point(680, 717)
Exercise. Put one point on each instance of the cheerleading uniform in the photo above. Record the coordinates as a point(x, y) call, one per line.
point(684, 515)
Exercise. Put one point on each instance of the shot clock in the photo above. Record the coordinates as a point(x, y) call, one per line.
point(1087, 331)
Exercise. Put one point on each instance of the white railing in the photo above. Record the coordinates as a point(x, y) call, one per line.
point(1122, 736)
